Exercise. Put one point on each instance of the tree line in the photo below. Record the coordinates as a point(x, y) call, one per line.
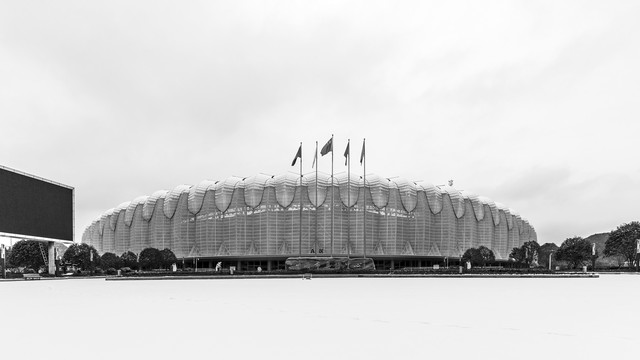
point(577, 252)
point(27, 254)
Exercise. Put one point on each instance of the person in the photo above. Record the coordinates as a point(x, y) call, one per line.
point(219, 266)
point(259, 269)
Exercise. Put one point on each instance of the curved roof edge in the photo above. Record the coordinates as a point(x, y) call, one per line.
point(286, 186)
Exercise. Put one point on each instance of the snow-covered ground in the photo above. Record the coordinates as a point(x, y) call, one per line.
point(415, 318)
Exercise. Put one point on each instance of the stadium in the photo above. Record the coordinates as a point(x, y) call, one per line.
point(263, 220)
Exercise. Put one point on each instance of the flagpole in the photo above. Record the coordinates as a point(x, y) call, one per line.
point(299, 155)
point(348, 198)
point(364, 184)
point(332, 191)
point(316, 164)
point(300, 193)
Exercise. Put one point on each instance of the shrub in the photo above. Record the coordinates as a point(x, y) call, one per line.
point(82, 255)
point(112, 271)
point(150, 258)
point(168, 258)
point(129, 259)
point(25, 253)
point(111, 260)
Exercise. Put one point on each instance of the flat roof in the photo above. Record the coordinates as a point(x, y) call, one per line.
point(35, 177)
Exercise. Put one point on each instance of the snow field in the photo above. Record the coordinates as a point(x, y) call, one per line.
point(289, 318)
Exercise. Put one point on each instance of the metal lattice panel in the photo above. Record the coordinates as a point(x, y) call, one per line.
point(348, 189)
point(455, 197)
point(122, 232)
point(196, 195)
point(108, 236)
point(408, 193)
point(120, 208)
point(434, 196)
point(128, 215)
point(254, 189)
point(477, 204)
point(159, 231)
point(492, 207)
point(149, 206)
point(223, 192)
point(171, 200)
point(139, 229)
point(322, 185)
point(379, 189)
point(507, 213)
point(286, 188)
point(104, 220)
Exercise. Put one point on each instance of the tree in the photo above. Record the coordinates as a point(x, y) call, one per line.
point(84, 256)
point(111, 260)
point(622, 241)
point(526, 254)
point(479, 257)
point(486, 255)
point(168, 258)
point(26, 253)
point(531, 252)
point(574, 251)
point(150, 258)
point(473, 256)
point(545, 251)
point(518, 255)
point(129, 259)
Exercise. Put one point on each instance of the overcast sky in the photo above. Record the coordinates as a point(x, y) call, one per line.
point(532, 104)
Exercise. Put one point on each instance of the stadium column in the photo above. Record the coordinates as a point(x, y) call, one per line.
point(51, 256)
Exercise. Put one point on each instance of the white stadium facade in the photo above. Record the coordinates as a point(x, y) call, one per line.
point(263, 220)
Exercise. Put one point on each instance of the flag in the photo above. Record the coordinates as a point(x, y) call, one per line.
point(2, 252)
point(315, 156)
point(298, 155)
point(637, 246)
point(593, 249)
point(346, 154)
point(362, 153)
point(327, 147)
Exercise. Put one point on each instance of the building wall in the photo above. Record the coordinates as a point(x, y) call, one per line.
point(261, 216)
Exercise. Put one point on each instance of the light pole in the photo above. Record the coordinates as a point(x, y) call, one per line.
point(593, 257)
point(637, 253)
point(4, 263)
